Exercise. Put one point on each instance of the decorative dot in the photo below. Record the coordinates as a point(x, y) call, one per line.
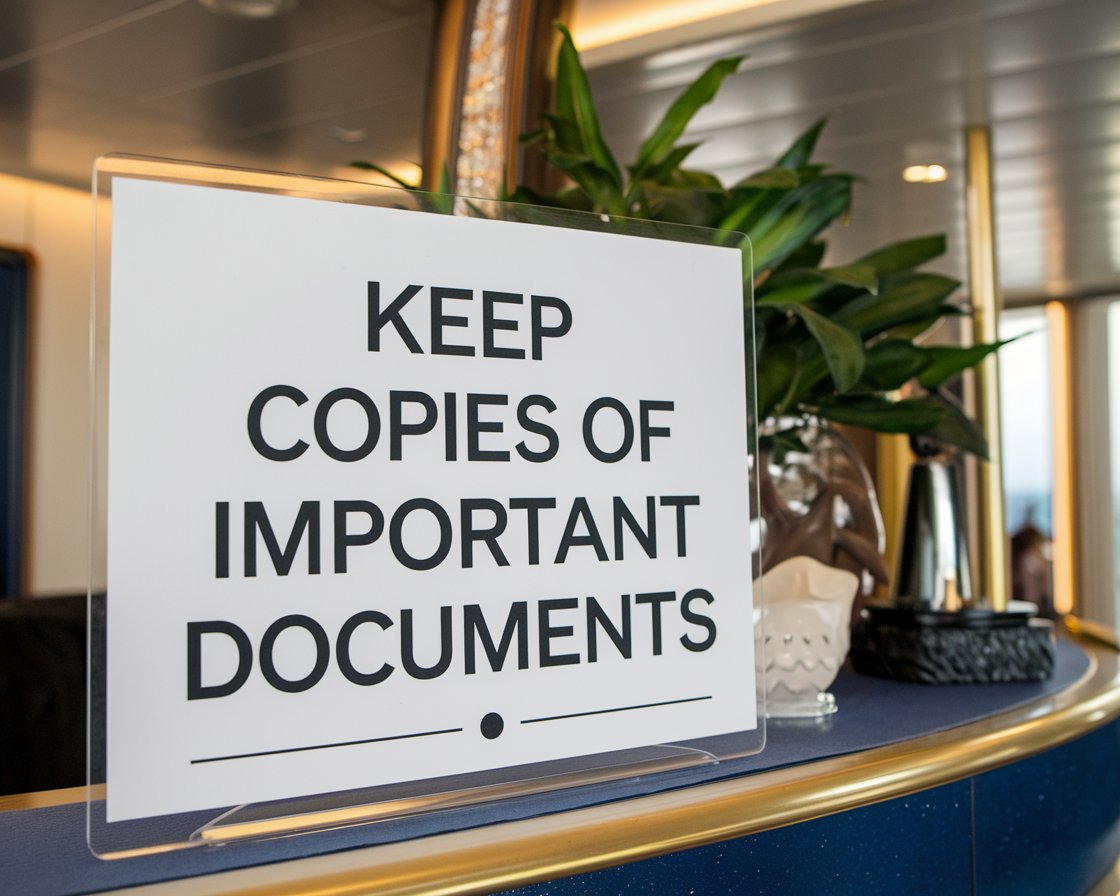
point(492, 725)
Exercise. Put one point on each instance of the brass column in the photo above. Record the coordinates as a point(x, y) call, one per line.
point(993, 560)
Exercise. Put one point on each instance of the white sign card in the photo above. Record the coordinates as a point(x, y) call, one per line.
point(396, 495)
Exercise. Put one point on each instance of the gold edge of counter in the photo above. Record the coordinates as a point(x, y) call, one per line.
point(1086, 628)
point(42, 799)
point(512, 854)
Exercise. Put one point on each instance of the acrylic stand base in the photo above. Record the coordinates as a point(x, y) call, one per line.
point(331, 811)
point(938, 647)
point(805, 705)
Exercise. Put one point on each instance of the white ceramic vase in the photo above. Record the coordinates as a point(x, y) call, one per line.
point(804, 629)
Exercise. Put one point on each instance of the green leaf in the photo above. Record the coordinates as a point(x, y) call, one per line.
point(798, 218)
point(443, 185)
point(590, 178)
point(763, 319)
point(798, 154)
point(782, 178)
point(523, 194)
point(933, 416)
point(777, 370)
point(806, 256)
point(574, 103)
point(670, 163)
point(921, 326)
point(892, 362)
point(747, 205)
point(910, 416)
point(567, 161)
point(861, 276)
point(441, 202)
point(563, 136)
point(680, 205)
point(680, 113)
point(806, 284)
point(569, 198)
point(696, 180)
point(910, 297)
point(790, 290)
point(750, 204)
point(906, 255)
point(956, 429)
point(842, 349)
point(806, 173)
point(947, 362)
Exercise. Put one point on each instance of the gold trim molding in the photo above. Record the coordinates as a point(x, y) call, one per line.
point(519, 853)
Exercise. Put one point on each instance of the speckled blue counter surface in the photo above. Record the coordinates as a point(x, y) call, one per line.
point(43, 851)
point(1045, 826)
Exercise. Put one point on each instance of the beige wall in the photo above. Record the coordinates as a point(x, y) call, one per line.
point(54, 225)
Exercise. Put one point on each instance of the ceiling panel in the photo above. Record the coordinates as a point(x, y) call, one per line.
point(187, 44)
point(30, 26)
point(387, 128)
point(1062, 30)
point(54, 146)
point(1057, 86)
point(172, 78)
point(183, 43)
point(364, 72)
point(1086, 123)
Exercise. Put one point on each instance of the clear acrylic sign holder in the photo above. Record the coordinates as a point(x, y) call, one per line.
point(223, 825)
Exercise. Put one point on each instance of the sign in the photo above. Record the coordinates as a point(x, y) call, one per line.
point(395, 495)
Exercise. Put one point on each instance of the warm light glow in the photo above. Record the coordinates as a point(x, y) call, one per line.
point(347, 135)
point(924, 174)
point(409, 172)
point(1057, 320)
point(621, 20)
point(607, 31)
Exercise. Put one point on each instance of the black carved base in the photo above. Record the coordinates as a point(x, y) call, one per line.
point(971, 646)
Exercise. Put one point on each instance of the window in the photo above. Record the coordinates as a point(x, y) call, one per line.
point(1028, 454)
point(1028, 476)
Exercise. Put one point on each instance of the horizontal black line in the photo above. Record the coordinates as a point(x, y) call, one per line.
point(599, 712)
point(348, 743)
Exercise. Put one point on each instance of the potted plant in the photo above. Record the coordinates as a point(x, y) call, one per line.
point(839, 343)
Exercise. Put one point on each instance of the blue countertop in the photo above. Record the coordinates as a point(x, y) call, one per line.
point(43, 851)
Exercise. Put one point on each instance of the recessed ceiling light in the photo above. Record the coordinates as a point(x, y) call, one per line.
point(924, 174)
point(249, 9)
point(346, 135)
